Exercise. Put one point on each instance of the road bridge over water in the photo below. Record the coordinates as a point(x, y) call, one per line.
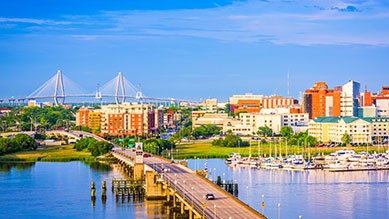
point(188, 188)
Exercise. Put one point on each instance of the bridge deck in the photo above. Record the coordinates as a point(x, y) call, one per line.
point(193, 187)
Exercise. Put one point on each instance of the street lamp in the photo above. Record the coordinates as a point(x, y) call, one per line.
point(214, 174)
point(215, 209)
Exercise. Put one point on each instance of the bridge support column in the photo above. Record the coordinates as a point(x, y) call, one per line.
point(182, 208)
point(190, 214)
point(154, 190)
point(174, 200)
point(139, 171)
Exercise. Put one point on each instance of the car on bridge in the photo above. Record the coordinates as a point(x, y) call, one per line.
point(209, 196)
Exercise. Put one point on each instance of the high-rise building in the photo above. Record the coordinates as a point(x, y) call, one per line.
point(321, 101)
point(349, 99)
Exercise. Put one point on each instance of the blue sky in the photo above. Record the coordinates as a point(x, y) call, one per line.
point(195, 49)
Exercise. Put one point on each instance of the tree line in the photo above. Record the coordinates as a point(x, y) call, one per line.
point(94, 146)
point(21, 142)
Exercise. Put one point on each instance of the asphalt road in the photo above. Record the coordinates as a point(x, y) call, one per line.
point(194, 189)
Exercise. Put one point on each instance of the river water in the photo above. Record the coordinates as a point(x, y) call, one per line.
point(62, 190)
point(310, 194)
point(46, 190)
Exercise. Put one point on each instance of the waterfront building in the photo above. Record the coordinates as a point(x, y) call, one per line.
point(361, 130)
point(251, 103)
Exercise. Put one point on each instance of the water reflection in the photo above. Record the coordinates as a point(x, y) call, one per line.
point(54, 189)
point(7, 167)
point(311, 194)
point(99, 166)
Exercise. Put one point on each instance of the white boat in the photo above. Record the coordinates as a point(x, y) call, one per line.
point(340, 155)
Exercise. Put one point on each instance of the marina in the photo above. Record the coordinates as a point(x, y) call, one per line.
point(340, 160)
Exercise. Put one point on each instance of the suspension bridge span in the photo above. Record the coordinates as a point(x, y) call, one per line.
point(59, 88)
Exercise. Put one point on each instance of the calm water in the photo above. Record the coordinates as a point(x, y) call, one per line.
point(311, 194)
point(47, 190)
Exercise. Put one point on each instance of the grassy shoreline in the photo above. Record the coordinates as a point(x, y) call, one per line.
point(62, 153)
point(206, 149)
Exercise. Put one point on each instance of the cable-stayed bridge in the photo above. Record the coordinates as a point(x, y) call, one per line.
point(60, 88)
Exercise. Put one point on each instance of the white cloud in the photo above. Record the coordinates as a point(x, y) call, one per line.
point(302, 22)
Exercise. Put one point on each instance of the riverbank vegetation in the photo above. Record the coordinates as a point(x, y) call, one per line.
point(62, 153)
point(206, 149)
point(90, 144)
point(20, 142)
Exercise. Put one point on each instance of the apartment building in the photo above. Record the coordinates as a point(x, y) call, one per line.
point(159, 117)
point(128, 119)
point(361, 130)
point(89, 117)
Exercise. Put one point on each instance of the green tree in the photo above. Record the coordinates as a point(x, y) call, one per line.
point(24, 142)
point(84, 143)
point(100, 148)
point(346, 139)
point(265, 131)
point(286, 131)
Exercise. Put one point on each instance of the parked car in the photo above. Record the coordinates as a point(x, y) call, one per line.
point(209, 196)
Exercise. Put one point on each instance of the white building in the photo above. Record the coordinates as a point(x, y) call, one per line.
point(349, 99)
point(382, 107)
point(275, 121)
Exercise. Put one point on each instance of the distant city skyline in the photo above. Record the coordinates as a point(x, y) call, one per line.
point(192, 50)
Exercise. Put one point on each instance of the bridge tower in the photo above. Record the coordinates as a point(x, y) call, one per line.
point(138, 164)
point(138, 95)
point(120, 83)
point(59, 82)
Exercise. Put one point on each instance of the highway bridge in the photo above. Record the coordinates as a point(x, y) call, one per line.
point(188, 188)
point(58, 88)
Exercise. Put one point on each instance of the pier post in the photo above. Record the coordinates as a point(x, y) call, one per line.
point(104, 193)
point(93, 193)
